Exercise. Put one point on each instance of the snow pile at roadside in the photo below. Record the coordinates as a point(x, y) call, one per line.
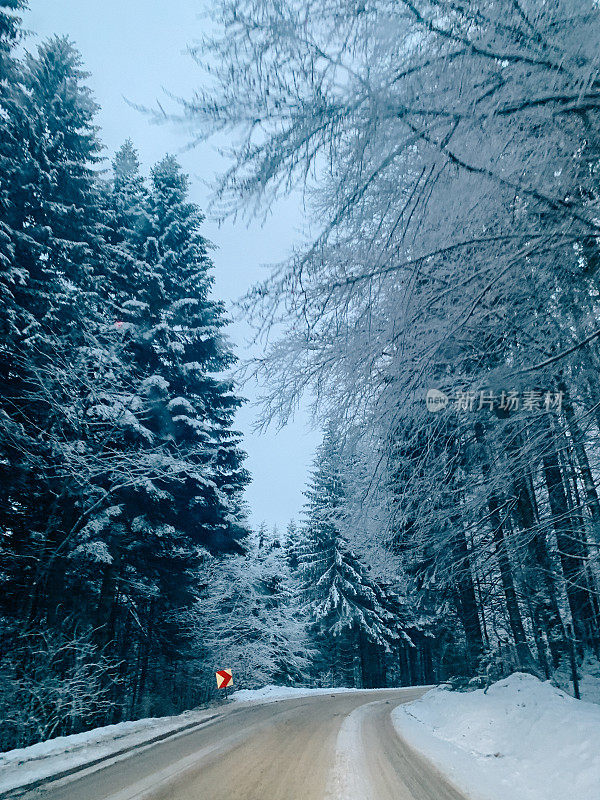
point(29, 764)
point(272, 693)
point(520, 740)
point(269, 694)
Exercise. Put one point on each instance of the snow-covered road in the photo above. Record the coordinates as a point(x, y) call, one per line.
point(321, 747)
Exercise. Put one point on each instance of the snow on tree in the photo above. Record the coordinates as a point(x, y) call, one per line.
point(448, 154)
point(10, 34)
point(119, 469)
point(347, 607)
point(250, 616)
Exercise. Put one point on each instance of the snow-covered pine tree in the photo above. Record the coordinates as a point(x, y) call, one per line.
point(10, 33)
point(350, 613)
point(54, 359)
point(282, 604)
point(185, 353)
point(128, 225)
point(187, 500)
point(250, 616)
point(118, 466)
point(52, 311)
point(53, 214)
point(291, 544)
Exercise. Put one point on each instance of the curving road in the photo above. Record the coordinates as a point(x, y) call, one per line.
point(324, 747)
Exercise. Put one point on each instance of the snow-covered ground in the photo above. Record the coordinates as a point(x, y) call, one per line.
point(29, 764)
point(272, 693)
point(520, 740)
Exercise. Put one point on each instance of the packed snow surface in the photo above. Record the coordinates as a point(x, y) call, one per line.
point(519, 740)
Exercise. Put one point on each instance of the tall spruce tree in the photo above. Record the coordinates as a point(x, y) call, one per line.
point(119, 468)
point(291, 544)
point(185, 347)
point(350, 612)
point(10, 33)
point(176, 410)
point(55, 359)
point(54, 225)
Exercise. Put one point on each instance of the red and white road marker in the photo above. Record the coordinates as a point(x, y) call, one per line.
point(224, 678)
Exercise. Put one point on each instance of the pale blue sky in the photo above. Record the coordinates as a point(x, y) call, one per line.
point(134, 49)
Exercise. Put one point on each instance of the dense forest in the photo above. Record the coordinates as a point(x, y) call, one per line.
point(442, 313)
point(443, 317)
point(120, 474)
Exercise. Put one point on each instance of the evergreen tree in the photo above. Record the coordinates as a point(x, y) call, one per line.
point(178, 418)
point(185, 352)
point(350, 612)
point(282, 604)
point(10, 33)
point(119, 469)
point(52, 313)
point(56, 362)
point(250, 615)
point(292, 544)
point(128, 227)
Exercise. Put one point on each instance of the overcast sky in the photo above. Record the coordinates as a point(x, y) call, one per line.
point(134, 49)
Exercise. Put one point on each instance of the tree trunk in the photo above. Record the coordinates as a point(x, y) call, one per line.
point(466, 600)
point(523, 651)
point(524, 656)
point(546, 611)
point(572, 555)
point(593, 502)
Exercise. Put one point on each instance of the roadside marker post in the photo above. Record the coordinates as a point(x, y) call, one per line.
point(224, 679)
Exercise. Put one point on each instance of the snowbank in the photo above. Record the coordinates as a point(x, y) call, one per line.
point(520, 740)
point(269, 694)
point(30, 764)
